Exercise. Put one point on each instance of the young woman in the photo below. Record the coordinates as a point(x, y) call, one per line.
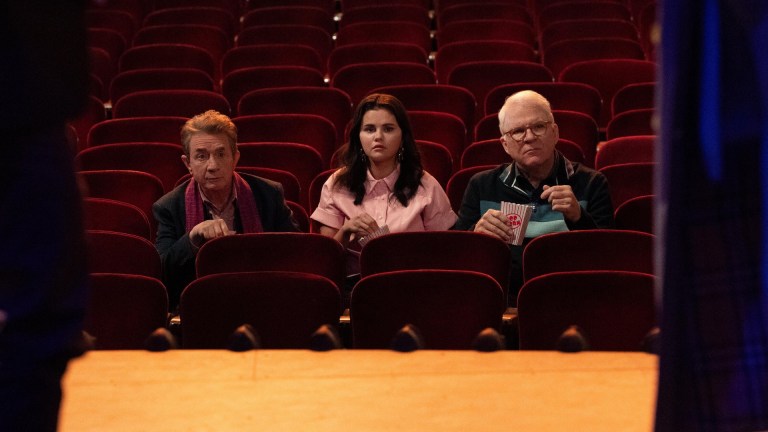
point(381, 182)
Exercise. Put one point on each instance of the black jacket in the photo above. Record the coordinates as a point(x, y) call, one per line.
point(172, 242)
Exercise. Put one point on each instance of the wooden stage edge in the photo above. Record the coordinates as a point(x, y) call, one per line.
point(359, 390)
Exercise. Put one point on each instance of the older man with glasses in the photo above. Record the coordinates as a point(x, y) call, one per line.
point(564, 195)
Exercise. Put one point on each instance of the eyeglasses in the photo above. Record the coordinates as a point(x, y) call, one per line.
point(537, 129)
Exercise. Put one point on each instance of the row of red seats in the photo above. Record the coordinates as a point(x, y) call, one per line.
point(416, 285)
point(360, 76)
point(439, 113)
point(445, 62)
point(302, 172)
point(120, 200)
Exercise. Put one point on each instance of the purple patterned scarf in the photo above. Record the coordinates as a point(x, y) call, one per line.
point(249, 212)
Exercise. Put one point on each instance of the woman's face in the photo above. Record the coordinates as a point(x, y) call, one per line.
point(380, 136)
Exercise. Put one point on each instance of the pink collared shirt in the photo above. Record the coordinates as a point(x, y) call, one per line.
point(428, 210)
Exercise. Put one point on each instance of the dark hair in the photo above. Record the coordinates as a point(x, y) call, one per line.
point(354, 167)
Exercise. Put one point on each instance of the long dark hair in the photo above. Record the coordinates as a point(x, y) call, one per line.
point(355, 166)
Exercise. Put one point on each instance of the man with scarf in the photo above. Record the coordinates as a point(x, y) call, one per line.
point(215, 202)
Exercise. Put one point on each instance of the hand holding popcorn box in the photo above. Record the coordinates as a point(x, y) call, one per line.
point(518, 216)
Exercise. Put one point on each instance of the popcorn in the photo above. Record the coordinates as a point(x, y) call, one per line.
point(518, 216)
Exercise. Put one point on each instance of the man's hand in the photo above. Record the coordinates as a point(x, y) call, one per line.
point(562, 199)
point(207, 230)
point(495, 223)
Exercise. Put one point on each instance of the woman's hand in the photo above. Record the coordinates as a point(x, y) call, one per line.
point(358, 227)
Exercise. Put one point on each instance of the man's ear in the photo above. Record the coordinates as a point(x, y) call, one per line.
point(504, 145)
point(237, 157)
point(185, 159)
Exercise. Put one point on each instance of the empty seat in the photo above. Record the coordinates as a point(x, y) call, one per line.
point(123, 310)
point(233, 6)
point(606, 249)
point(404, 32)
point(449, 307)
point(596, 249)
point(102, 66)
point(158, 79)
point(116, 252)
point(636, 214)
point(134, 187)
point(458, 182)
point(633, 96)
point(160, 159)
point(608, 76)
point(300, 215)
point(180, 103)
point(167, 55)
point(289, 15)
point(312, 130)
point(212, 39)
point(633, 122)
point(583, 10)
point(191, 14)
point(72, 140)
point(436, 159)
point(439, 127)
point(485, 152)
point(451, 55)
point(241, 81)
point(447, 250)
point(440, 5)
point(117, 20)
point(648, 28)
point(302, 160)
point(377, 15)
point(316, 188)
point(486, 30)
point(313, 37)
point(358, 80)
point(243, 57)
point(284, 308)
point(299, 252)
point(629, 180)
point(580, 129)
point(628, 149)
point(109, 40)
point(538, 5)
point(331, 103)
point(351, 4)
point(110, 215)
point(484, 10)
point(560, 55)
point(93, 113)
point(138, 129)
point(374, 52)
point(96, 88)
point(327, 5)
point(614, 309)
point(587, 28)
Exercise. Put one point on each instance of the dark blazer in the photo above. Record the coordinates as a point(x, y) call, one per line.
point(172, 242)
